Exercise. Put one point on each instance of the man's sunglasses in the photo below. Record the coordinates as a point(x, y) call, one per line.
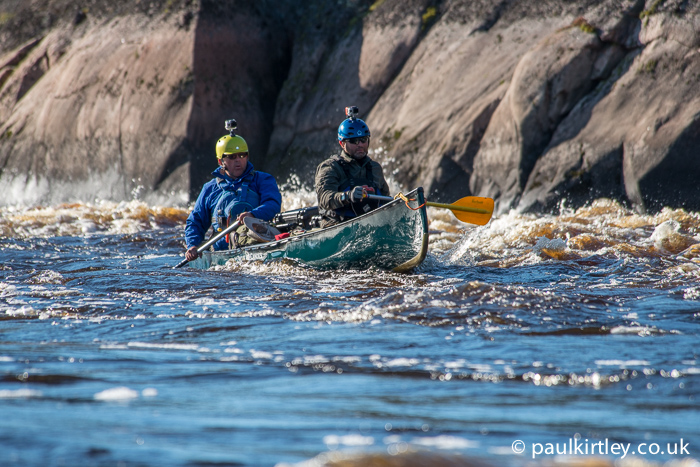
point(241, 155)
point(361, 139)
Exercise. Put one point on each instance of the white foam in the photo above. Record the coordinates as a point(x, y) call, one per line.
point(445, 442)
point(691, 293)
point(639, 330)
point(19, 394)
point(7, 290)
point(110, 185)
point(402, 362)
point(552, 244)
point(148, 345)
point(456, 365)
point(622, 363)
point(24, 310)
point(49, 277)
point(348, 359)
point(149, 392)
point(333, 441)
point(664, 231)
point(261, 354)
point(121, 393)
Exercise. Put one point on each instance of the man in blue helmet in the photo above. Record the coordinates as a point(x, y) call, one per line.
point(236, 191)
point(344, 180)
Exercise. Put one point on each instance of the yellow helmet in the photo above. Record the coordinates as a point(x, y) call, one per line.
point(230, 145)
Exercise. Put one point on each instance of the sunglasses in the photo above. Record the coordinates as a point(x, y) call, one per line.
point(241, 155)
point(361, 139)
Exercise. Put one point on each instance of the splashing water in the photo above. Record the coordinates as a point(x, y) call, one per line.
point(541, 329)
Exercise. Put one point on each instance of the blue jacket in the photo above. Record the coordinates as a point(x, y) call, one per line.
point(200, 219)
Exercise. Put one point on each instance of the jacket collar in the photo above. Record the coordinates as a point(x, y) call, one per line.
point(220, 173)
point(347, 158)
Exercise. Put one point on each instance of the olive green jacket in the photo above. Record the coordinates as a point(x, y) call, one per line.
point(330, 176)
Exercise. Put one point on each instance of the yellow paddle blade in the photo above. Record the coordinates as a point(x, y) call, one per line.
point(471, 209)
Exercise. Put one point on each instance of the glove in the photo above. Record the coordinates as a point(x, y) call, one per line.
point(356, 194)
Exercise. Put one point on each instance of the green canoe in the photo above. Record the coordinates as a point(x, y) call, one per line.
point(392, 237)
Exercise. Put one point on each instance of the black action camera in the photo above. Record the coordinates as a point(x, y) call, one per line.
point(352, 112)
point(231, 126)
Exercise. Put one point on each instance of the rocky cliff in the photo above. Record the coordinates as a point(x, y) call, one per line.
point(531, 103)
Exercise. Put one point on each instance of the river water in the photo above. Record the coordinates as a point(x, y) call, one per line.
point(534, 340)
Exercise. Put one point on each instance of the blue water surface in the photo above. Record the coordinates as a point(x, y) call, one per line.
point(108, 356)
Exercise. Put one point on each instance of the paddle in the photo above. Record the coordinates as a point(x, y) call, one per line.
point(470, 209)
point(211, 241)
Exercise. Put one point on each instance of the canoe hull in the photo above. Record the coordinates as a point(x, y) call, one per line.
point(392, 237)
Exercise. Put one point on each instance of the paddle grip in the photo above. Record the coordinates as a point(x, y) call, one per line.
point(212, 240)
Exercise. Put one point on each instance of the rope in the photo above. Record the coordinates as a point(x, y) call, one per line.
point(406, 200)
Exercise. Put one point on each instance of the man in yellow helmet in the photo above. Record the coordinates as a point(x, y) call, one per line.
point(236, 191)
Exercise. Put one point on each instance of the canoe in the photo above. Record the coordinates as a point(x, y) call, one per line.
point(392, 237)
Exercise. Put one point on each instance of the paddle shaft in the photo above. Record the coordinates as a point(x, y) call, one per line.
point(436, 205)
point(212, 240)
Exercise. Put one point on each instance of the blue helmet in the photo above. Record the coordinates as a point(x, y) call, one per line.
point(352, 127)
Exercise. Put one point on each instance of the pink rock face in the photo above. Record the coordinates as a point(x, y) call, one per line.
point(133, 104)
point(528, 105)
point(113, 99)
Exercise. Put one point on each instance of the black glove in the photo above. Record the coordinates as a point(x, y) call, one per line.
point(356, 194)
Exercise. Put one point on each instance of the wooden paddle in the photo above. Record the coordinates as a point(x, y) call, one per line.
point(211, 241)
point(470, 209)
